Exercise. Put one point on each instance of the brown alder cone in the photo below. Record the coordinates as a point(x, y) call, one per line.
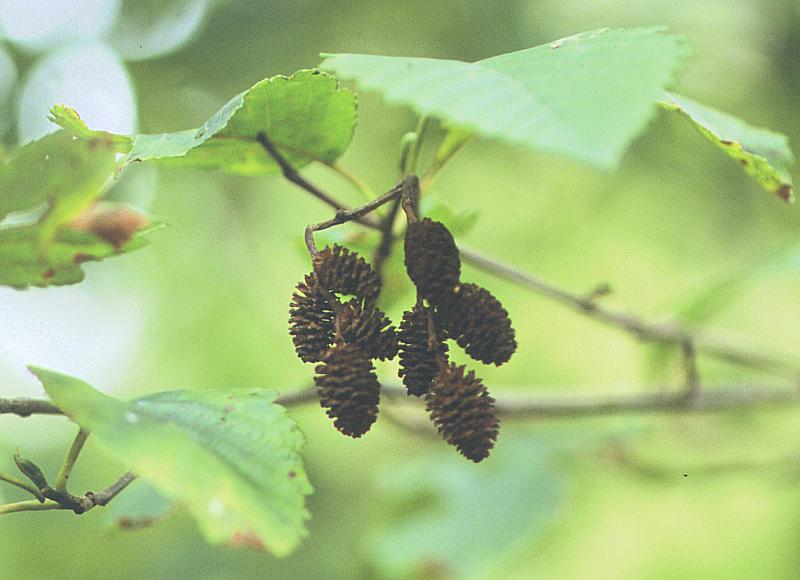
point(348, 389)
point(311, 321)
point(431, 258)
point(463, 412)
point(367, 326)
point(418, 365)
point(479, 324)
point(343, 271)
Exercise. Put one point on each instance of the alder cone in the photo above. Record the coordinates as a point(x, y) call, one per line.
point(431, 258)
point(348, 389)
point(343, 271)
point(479, 324)
point(418, 365)
point(463, 412)
point(367, 326)
point(311, 321)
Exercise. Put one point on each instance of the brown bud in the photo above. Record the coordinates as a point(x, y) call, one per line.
point(348, 389)
point(479, 324)
point(463, 412)
point(418, 365)
point(343, 271)
point(115, 225)
point(367, 326)
point(431, 258)
point(311, 319)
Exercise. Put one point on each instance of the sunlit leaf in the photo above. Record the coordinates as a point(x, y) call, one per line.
point(764, 155)
point(231, 457)
point(23, 264)
point(69, 119)
point(586, 96)
point(307, 116)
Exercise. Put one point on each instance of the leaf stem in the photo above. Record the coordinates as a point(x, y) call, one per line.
point(29, 506)
point(69, 461)
point(416, 146)
point(22, 485)
point(353, 179)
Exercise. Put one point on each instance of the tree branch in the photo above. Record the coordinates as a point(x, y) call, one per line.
point(670, 332)
point(719, 398)
point(23, 407)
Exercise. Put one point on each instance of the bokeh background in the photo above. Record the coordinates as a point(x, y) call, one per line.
point(205, 305)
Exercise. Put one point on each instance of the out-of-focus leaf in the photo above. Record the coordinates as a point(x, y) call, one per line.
point(307, 116)
point(702, 304)
point(231, 458)
point(140, 506)
point(764, 155)
point(462, 519)
point(71, 121)
point(60, 169)
point(586, 96)
point(454, 139)
point(459, 222)
point(22, 264)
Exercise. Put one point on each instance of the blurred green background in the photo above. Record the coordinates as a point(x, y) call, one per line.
point(205, 305)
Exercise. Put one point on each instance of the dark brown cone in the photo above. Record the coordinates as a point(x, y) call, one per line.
point(348, 389)
point(367, 326)
point(479, 324)
point(418, 365)
point(310, 321)
point(432, 260)
point(345, 272)
point(463, 412)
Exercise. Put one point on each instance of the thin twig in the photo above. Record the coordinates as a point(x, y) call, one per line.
point(29, 506)
point(292, 175)
point(718, 347)
point(691, 372)
point(657, 400)
point(26, 407)
point(69, 461)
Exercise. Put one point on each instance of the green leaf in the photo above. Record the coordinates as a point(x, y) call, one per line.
point(307, 116)
point(764, 155)
point(586, 96)
point(141, 505)
point(460, 519)
point(23, 264)
point(68, 119)
point(232, 458)
point(66, 172)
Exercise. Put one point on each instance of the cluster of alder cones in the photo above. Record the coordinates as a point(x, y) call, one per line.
point(345, 335)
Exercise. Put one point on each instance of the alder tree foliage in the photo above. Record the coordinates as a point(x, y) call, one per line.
point(585, 97)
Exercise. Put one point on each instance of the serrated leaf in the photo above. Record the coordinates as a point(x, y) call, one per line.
point(69, 120)
point(23, 264)
point(231, 458)
point(307, 116)
point(764, 155)
point(141, 505)
point(59, 169)
point(586, 96)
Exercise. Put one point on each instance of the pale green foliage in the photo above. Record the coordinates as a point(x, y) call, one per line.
point(308, 116)
point(586, 96)
point(231, 458)
point(764, 154)
point(67, 174)
point(480, 513)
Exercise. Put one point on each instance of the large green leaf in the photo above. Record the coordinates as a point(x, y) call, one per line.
point(763, 154)
point(23, 264)
point(586, 96)
point(231, 458)
point(308, 116)
point(66, 172)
